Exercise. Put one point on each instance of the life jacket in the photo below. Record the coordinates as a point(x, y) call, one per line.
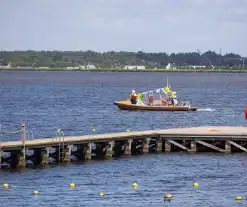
point(164, 102)
point(132, 96)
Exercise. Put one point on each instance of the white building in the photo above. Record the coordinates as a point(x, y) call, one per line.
point(170, 66)
point(197, 66)
point(77, 67)
point(134, 67)
point(91, 67)
point(6, 66)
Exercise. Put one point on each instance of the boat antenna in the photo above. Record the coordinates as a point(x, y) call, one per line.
point(167, 82)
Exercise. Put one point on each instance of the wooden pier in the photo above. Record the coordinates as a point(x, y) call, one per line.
point(62, 149)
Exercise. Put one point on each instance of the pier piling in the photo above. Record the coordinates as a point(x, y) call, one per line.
point(88, 151)
point(193, 146)
point(128, 147)
point(227, 146)
point(159, 145)
point(45, 155)
point(167, 146)
point(110, 149)
point(145, 145)
point(67, 153)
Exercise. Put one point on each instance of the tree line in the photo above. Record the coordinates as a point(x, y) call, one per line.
point(111, 59)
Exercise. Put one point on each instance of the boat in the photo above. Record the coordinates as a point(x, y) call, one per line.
point(126, 105)
point(159, 99)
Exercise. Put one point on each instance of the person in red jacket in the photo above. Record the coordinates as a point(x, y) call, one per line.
point(133, 97)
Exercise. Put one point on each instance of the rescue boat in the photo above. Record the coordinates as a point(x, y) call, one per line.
point(160, 99)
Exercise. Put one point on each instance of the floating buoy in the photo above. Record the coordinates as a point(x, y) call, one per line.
point(134, 185)
point(168, 197)
point(35, 192)
point(71, 185)
point(127, 130)
point(101, 194)
point(5, 185)
point(195, 185)
point(93, 130)
point(238, 198)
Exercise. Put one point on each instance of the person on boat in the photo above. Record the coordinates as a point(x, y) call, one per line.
point(174, 99)
point(150, 100)
point(133, 97)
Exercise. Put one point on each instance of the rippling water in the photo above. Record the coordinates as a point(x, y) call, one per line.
point(81, 101)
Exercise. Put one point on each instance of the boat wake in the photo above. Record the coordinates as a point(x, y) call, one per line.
point(206, 109)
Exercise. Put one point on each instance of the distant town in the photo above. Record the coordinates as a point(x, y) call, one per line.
point(83, 60)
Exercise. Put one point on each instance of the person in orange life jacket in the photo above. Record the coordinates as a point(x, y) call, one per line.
point(133, 97)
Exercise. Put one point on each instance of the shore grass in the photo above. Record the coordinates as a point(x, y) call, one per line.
point(130, 70)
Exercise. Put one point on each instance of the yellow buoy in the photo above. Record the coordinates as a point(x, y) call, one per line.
point(195, 185)
point(101, 194)
point(71, 185)
point(134, 185)
point(238, 198)
point(35, 192)
point(5, 185)
point(168, 196)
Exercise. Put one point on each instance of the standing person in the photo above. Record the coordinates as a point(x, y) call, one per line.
point(133, 97)
point(174, 99)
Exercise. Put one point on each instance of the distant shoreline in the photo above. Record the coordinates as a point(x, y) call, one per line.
point(129, 70)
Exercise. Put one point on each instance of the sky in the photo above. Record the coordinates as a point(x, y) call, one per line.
point(124, 25)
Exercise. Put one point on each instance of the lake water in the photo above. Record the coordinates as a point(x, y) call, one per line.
point(78, 102)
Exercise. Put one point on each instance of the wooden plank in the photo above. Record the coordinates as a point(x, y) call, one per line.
point(209, 146)
point(238, 146)
point(179, 145)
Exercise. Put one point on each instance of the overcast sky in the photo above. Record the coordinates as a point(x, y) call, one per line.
point(130, 25)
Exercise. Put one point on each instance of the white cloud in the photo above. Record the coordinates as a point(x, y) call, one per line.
point(154, 25)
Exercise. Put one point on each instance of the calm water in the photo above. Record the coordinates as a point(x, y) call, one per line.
point(78, 102)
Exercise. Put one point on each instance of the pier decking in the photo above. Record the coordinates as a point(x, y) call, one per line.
point(196, 139)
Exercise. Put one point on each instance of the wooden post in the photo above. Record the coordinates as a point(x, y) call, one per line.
point(109, 149)
point(167, 146)
point(159, 145)
point(145, 145)
point(193, 146)
point(88, 153)
point(127, 147)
